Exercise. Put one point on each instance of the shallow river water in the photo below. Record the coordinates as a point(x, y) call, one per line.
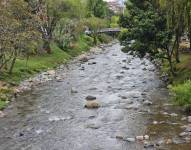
point(134, 102)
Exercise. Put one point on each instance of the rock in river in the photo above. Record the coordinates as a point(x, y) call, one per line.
point(90, 98)
point(74, 90)
point(147, 102)
point(83, 58)
point(2, 114)
point(92, 104)
point(140, 138)
point(189, 119)
point(129, 139)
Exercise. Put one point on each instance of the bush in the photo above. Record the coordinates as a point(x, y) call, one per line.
point(182, 94)
point(103, 38)
point(123, 35)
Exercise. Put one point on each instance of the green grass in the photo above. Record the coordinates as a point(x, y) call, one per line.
point(25, 69)
point(181, 87)
point(43, 62)
point(4, 94)
point(182, 94)
point(3, 104)
point(183, 69)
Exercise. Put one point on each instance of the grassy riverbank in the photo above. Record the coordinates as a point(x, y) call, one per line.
point(25, 69)
point(181, 87)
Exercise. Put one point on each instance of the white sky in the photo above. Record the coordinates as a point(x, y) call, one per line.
point(114, 0)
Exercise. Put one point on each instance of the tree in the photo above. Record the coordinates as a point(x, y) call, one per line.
point(95, 25)
point(176, 14)
point(18, 32)
point(97, 8)
point(147, 29)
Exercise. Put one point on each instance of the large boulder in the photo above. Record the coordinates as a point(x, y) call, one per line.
point(92, 104)
point(90, 98)
point(83, 58)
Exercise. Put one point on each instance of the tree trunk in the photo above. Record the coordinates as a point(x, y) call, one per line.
point(177, 53)
point(12, 65)
point(46, 46)
point(169, 57)
point(190, 40)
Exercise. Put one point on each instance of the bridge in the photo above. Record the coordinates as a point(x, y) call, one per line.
point(109, 30)
point(105, 30)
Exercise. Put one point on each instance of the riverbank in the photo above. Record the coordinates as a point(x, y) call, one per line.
point(180, 84)
point(41, 63)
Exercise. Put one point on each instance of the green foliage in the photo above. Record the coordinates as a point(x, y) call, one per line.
point(4, 95)
point(45, 61)
point(146, 26)
point(103, 38)
point(18, 31)
point(2, 104)
point(182, 94)
point(97, 8)
point(114, 22)
point(95, 24)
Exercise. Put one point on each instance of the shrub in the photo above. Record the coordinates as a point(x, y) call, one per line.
point(103, 38)
point(182, 94)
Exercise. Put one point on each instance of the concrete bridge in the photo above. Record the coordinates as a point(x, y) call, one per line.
point(110, 31)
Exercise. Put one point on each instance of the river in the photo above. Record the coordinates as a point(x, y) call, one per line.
point(134, 102)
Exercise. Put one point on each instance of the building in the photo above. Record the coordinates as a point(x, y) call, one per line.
point(117, 6)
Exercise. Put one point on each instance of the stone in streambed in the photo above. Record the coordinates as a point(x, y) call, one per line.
point(83, 58)
point(51, 72)
point(140, 138)
point(146, 137)
point(148, 145)
point(147, 102)
point(2, 115)
point(183, 134)
point(189, 119)
point(92, 104)
point(129, 139)
point(90, 98)
point(120, 136)
point(173, 115)
point(74, 90)
point(93, 126)
point(169, 141)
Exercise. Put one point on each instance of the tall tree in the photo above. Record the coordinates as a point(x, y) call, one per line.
point(146, 27)
point(98, 8)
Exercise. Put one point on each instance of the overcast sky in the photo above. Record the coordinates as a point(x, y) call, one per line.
point(115, 0)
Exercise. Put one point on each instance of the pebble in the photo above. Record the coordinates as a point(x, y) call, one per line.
point(2, 114)
point(147, 102)
point(183, 134)
point(155, 122)
point(140, 138)
point(187, 139)
point(189, 119)
point(51, 72)
point(169, 141)
point(125, 68)
point(119, 136)
point(129, 139)
point(164, 113)
point(174, 115)
point(146, 137)
point(123, 97)
point(73, 90)
point(183, 119)
point(93, 126)
point(148, 145)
